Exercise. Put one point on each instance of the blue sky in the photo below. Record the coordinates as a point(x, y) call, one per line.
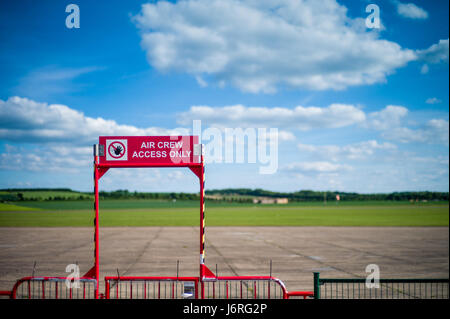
point(144, 67)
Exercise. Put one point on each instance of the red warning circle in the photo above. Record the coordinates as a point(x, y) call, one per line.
point(116, 149)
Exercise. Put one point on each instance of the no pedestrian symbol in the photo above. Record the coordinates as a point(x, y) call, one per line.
point(116, 150)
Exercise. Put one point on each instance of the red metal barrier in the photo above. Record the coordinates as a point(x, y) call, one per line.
point(144, 287)
point(248, 287)
point(244, 287)
point(225, 287)
point(304, 294)
point(53, 288)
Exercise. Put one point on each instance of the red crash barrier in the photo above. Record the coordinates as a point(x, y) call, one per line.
point(244, 287)
point(248, 287)
point(144, 287)
point(53, 288)
point(304, 294)
point(231, 287)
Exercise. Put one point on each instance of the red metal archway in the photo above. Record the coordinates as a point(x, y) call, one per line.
point(191, 156)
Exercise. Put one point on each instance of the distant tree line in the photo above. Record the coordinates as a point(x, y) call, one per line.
point(309, 195)
point(228, 195)
point(125, 194)
point(19, 196)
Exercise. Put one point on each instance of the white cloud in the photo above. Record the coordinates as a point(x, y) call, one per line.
point(259, 46)
point(387, 118)
point(47, 158)
point(284, 136)
point(316, 168)
point(435, 131)
point(60, 133)
point(433, 100)
point(52, 80)
point(302, 118)
point(201, 82)
point(390, 121)
point(425, 69)
point(176, 175)
point(25, 120)
point(53, 73)
point(412, 11)
point(436, 53)
point(360, 150)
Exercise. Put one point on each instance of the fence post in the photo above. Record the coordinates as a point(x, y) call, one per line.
point(316, 285)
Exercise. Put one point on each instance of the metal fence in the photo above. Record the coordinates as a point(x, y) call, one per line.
point(235, 287)
point(356, 288)
point(244, 288)
point(151, 287)
point(53, 288)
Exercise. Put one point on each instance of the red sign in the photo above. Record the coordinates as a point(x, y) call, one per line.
point(149, 149)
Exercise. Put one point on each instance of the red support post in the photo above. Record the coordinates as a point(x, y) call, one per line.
point(173, 290)
point(96, 236)
point(145, 290)
point(202, 224)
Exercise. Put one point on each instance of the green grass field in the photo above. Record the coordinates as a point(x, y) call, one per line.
point(186, 213)
point(16, 208)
